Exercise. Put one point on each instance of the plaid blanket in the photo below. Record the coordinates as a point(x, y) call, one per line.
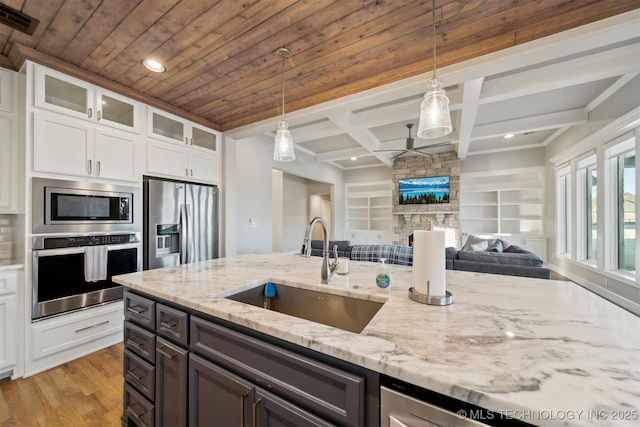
point(394, 254)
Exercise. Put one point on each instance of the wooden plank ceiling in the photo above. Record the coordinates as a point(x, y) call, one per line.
point(221, 67)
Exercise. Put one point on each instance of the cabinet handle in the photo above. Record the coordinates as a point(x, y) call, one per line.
point(169, 324)
point(131, 372)
point(99, 115)
point(242, 411)
point(190, 141)
point(186, 172)
point(137, 309)
point(186, 140)
point(92, 326)
point(191, 172)
point(90, 168)
point(135, 343)
point(144, 411)
point(255, 411)
point(161, 351)
point(90, 112)
point(98, 168)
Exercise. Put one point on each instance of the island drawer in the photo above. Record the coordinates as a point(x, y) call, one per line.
point(140, 374)
point(138, 410)
point(140, 341)
point(331, 392)
point(139, 309)
point(172, 324)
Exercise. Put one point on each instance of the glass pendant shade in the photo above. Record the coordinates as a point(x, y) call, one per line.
point(435, 120)
point(283, 150)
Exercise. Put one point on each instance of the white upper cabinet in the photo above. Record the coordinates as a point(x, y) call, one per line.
point(5, 91)
point(182, 162)
point(170, 128)
point(68, 146)
point(8, 164)
point(70, 96)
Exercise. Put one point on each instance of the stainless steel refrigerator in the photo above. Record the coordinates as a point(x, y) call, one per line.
point(180, 223)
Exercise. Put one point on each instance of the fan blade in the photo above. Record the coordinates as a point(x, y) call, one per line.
point(381, 151)
point(442, 144)
point(421, 153)
point(398, 155)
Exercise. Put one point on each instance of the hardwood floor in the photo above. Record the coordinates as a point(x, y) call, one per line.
point(84, 392)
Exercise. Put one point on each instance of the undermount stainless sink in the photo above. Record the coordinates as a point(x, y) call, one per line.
point(347, 313)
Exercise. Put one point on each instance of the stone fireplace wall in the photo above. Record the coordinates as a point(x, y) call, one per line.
point(407, 218)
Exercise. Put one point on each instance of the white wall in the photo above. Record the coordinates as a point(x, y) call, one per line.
point(295, 210)
point(248, 178)
point(506, 160)
point(276, 209)
point(368, 174)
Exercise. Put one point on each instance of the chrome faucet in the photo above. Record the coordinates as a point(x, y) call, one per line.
point(327, 269)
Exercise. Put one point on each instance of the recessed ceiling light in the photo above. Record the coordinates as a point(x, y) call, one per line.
point(154, 66)
point(508, 136)
point(354, 158)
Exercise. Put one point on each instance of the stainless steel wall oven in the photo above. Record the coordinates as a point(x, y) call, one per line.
point(83, 235)
point(59, 271)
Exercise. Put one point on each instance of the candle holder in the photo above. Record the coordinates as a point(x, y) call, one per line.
point(416, 296)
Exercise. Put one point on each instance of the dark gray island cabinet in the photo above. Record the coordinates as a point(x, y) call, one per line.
point(183, 367)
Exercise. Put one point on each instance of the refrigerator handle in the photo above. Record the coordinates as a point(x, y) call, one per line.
point(184, 227)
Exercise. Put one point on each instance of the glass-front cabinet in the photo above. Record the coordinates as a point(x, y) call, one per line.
point(170, 128)
point(73, 97)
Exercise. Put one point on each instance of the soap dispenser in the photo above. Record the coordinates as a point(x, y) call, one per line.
point(383, 280)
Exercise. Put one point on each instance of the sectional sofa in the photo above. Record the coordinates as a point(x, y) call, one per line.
point(495, 256)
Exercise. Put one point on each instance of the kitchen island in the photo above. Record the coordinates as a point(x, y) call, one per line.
point(543, 351)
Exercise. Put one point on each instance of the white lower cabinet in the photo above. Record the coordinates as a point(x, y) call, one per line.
point(8, 320)
point(60, 339)
point(70, 146)
point(182, 162)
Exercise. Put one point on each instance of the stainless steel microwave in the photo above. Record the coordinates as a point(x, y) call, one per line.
point(83, 207)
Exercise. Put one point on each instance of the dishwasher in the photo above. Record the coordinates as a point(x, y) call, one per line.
point(406, 405)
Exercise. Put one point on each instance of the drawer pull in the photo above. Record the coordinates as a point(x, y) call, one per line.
point(161, 350)
point(169, 324)
point(92, 326)
point(144, 411)
point(134, 342)
point(137, 309)
point(137, 377)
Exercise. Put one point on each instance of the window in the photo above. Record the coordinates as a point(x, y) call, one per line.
point(587, 210)
point(620, 168)
point(627, 211)
point(563, 211)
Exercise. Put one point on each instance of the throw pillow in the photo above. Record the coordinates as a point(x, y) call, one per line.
point(496, 247)
point(472, 240)
point(514, 249)
point(480, 246)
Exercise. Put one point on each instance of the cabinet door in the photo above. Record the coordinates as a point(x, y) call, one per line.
point(118, 111)
point(172, 364)
point(7, 333)
point(62, 145)
point(217, 396)
point(115, 154)
point(204, 166)
point(203, 138)
point(167, 127)
point(58, 92)
point(166, 159)
point(270, 410)
point(8, 172)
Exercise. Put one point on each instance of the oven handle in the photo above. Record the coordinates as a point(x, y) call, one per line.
point(39, 253)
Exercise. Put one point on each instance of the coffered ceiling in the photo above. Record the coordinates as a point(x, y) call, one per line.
point(367, 59)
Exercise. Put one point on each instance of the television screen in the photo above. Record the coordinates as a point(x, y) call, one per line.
point(424, 191)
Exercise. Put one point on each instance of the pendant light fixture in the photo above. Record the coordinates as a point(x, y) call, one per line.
point(283, 150)
point(435, 120)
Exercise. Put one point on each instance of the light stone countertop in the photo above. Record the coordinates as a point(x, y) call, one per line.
point(547, 352)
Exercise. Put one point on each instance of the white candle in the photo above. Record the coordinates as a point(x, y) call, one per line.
point(429, 262)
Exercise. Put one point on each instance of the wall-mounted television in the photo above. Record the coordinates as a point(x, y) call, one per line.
point(424, 191)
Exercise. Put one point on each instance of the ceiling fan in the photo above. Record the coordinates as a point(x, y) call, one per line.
point(411, 149)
